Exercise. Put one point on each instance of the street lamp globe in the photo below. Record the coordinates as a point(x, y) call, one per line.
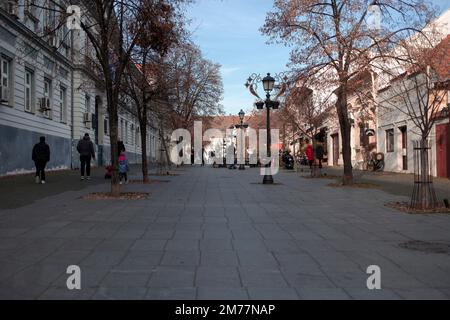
point(268, 83)
point(241, 115)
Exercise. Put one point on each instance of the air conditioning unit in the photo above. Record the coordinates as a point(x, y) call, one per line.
point(4, 94)
point(44, 104)
point(87, 117)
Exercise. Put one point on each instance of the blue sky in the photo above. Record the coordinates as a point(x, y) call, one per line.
point(227, 32)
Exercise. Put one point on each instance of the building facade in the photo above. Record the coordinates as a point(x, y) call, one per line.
point(48, 88)
point(380, 123)
point(397, 131)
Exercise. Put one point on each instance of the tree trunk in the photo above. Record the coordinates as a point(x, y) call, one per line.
point(424, 194)
point(345, 128)
point(113, 129)
point(143, 130)
point(166, 151)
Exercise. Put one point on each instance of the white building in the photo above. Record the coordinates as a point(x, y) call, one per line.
point(49, 88)
point(397, 131)
point(405, 98)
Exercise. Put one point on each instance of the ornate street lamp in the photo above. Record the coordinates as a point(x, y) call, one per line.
point(242, 126)
point(268, 86)
point(224, 146)
point(241, 115)
point(268, 83)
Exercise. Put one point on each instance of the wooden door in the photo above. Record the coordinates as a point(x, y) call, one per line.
point(404, 132)
point(335, 138)
point(443, 150)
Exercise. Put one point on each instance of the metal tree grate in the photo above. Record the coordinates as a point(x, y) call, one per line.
point(424, 196)
point(427, 247)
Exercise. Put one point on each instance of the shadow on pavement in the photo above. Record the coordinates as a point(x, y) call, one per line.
point(21, 190)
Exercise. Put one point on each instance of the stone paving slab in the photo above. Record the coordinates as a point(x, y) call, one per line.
point(219, 234)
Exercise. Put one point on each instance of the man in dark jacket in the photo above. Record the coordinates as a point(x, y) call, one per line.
point(40, 156)
point(320, 153)
point(85, 148)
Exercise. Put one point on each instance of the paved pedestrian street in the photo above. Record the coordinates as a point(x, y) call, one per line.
point(220, 234)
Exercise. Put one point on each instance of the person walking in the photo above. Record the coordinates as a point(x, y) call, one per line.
point(40, 156)
point(203, 156)
point(123, 167)
point(320, 151)
point(85, 148)
point(309, 151)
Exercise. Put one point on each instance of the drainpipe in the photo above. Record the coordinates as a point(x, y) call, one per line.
point(72, 101)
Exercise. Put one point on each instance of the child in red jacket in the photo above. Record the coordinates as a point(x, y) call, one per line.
point(309, 151)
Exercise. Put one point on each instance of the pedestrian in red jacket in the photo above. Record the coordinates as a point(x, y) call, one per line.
point(309, 151)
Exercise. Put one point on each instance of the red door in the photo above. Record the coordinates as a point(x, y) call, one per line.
point(443, 150)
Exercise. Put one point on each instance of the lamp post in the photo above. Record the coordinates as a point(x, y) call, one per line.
point(268, 85)
point(241, 125)
point(224, 145)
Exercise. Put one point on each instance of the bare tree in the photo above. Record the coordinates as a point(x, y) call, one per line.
point(335, 39)
point(196, 85)
point(146, 79)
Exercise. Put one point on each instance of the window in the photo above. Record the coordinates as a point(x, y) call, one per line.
point(50, 17)
point(126, 132)
point(12, 7)
point(152, 146)
point(30, 7)
point(5, 73)
point(63, 104)
point(132, 134)
point(121, 130)
point(87, 104)
point(48, 97)
point(105, 126)
point(63, 72)
point(29, 91)
point(5, 81)
point(138, 135)
point(64, 39)
point(390, 140)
